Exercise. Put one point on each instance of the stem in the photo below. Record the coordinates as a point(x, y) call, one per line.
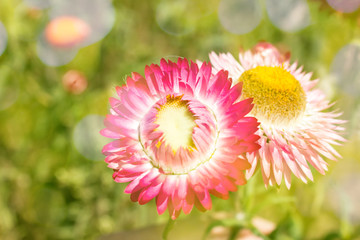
point(255, 231)
point(169, 225)
point(238, 200)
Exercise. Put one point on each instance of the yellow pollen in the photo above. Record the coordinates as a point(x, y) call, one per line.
point(176, 122)
point(277, 96)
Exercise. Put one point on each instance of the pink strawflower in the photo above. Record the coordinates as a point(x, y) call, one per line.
point(181, 135)
point(294, 129)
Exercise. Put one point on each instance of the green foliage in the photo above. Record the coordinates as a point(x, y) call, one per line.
point(50, 191)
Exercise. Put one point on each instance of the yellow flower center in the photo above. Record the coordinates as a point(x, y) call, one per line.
point(176, 122)
point(277, 96)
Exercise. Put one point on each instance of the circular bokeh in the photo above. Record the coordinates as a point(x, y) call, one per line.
point(240, 16)
point(290, 15)
point(98, 14)
point(67, 32)
point(180, 17)
point(344, 197)
point(53, 56)
point(174, 17)
point(87, 139)
point(354, 122)
point(3, 38)
point(38, 4)
point(346, 6)
point(345, 68)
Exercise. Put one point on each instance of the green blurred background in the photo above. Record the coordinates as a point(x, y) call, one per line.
point(53, 181)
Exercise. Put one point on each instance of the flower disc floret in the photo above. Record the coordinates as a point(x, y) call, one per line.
point(177, 123)
point(277, 96)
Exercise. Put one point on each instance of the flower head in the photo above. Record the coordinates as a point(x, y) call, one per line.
point(181, 135)
point(294, 129)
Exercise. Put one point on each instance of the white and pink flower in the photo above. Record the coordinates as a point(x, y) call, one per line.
point(294, 130)
point(180, 134)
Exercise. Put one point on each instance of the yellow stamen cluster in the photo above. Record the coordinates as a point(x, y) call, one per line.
point(277, 96)
point(176, 122)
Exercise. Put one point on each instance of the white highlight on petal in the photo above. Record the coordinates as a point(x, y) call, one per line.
point(289, 15)
point(240, 16)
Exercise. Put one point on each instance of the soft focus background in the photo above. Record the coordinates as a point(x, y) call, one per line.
point(53, 181)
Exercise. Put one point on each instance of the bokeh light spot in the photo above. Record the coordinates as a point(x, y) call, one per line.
point(98, 14)
point(66, 31)
point(87, 139)
point(290, 15)
point(240, 16)
point(175, 17)
point(346, 69)
point(86, 22)
point(346, 6)
point(54, 56)
point(38, 4)
point(3, 38)
point(354, 122)
point(344, 197)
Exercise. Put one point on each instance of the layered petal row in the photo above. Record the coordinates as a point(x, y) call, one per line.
point(180, 135)
point(287, 149)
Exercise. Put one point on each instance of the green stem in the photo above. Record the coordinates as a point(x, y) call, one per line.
point(255, 231)
point(167, 229)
